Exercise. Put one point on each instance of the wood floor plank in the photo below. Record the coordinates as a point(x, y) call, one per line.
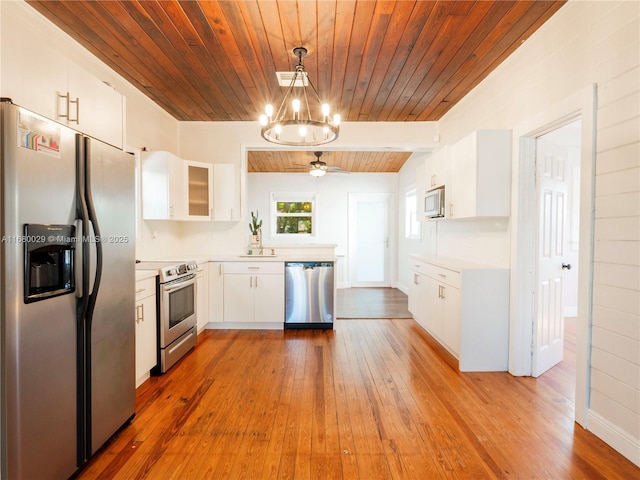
point(370, 399)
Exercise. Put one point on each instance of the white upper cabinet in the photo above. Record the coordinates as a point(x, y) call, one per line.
point(32, 71)
point(94, 107)
point(175, 189)
point(433, 173)
point(421, 188)
point(226, 192)
point(480, 183)
point(436, 167)
point(38, 77)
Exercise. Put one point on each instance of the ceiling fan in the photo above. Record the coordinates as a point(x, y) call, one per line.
point(318, 168)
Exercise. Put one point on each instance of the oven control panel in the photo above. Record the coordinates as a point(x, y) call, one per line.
point(175, 272)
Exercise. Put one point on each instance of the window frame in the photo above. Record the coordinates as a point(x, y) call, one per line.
point(294, 197)
point(412, 225)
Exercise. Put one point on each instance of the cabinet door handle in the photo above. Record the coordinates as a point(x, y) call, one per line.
point(251, 281)
point(68, 103)
point(443, 291)
point(140, 313)
point(77, 119)
point(66, 97)
point(256, 281)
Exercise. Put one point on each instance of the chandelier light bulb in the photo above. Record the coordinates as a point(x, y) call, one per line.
point(296, 105)
point(325, 110)
point(336, 119)
point(263, 120)
point(303, 131)
point(269, 110)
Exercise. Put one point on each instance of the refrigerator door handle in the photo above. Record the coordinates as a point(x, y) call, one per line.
point(95, 239)
point(78, 266)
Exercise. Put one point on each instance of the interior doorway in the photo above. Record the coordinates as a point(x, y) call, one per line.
point(369, 250)
point(558, 204)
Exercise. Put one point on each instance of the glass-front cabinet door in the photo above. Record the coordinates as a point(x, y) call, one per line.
point(199, 190)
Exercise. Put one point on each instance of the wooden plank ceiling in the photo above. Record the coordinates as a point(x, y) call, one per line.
point(394, 61)
point(297, 161)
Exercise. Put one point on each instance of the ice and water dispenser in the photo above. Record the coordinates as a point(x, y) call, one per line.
point(49, 252)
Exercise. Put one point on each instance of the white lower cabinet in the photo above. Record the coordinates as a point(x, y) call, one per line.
point(418, 293)
point(253, 292)
point(465, 307)
point(216, 292)
point(202, 296)
point(146, 329)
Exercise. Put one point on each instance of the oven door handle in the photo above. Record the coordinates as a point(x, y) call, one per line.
point(175, 286)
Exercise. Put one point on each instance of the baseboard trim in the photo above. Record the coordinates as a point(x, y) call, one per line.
point(245, 326)
point(612, 435)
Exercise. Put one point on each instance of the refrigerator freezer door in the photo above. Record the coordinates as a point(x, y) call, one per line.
point(111, 184)
point(38, 339)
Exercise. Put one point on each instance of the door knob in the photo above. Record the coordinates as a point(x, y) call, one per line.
point(566, 266)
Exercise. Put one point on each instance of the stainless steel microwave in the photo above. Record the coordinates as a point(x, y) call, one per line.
point(434, 203)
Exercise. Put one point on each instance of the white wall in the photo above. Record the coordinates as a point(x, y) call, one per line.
point(615, 354)
point(582, 44)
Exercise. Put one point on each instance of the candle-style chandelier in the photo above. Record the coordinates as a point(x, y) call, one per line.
point(298, 122)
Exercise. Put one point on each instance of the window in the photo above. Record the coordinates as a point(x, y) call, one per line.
point(411, 223)
point(293, 214)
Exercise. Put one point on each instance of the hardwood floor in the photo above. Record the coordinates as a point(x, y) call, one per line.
point(371, 303)
point(369, 399)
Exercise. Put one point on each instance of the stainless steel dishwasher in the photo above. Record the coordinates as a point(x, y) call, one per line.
point(309, 295)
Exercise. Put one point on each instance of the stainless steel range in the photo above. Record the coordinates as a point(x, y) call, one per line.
point(176, 313)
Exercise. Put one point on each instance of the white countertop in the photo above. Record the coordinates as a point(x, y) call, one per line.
point(144, 274)
point(283, 253)
point(454, 263)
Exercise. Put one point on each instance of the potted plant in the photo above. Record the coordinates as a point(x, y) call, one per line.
point(255, 228)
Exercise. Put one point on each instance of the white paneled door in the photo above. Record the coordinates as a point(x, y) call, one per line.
point(554, 161)
point(369, 240)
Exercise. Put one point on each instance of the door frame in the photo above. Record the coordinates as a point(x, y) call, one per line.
point(524, 230)
point(354, 199)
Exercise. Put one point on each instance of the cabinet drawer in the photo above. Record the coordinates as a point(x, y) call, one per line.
point(254, 267)
point(444, 275)
point(145, 288)
point(418, 266)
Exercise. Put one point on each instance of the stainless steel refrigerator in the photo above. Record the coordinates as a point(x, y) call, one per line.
point(67, 287)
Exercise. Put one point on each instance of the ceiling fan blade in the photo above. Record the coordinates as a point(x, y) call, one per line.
point(337, 170)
